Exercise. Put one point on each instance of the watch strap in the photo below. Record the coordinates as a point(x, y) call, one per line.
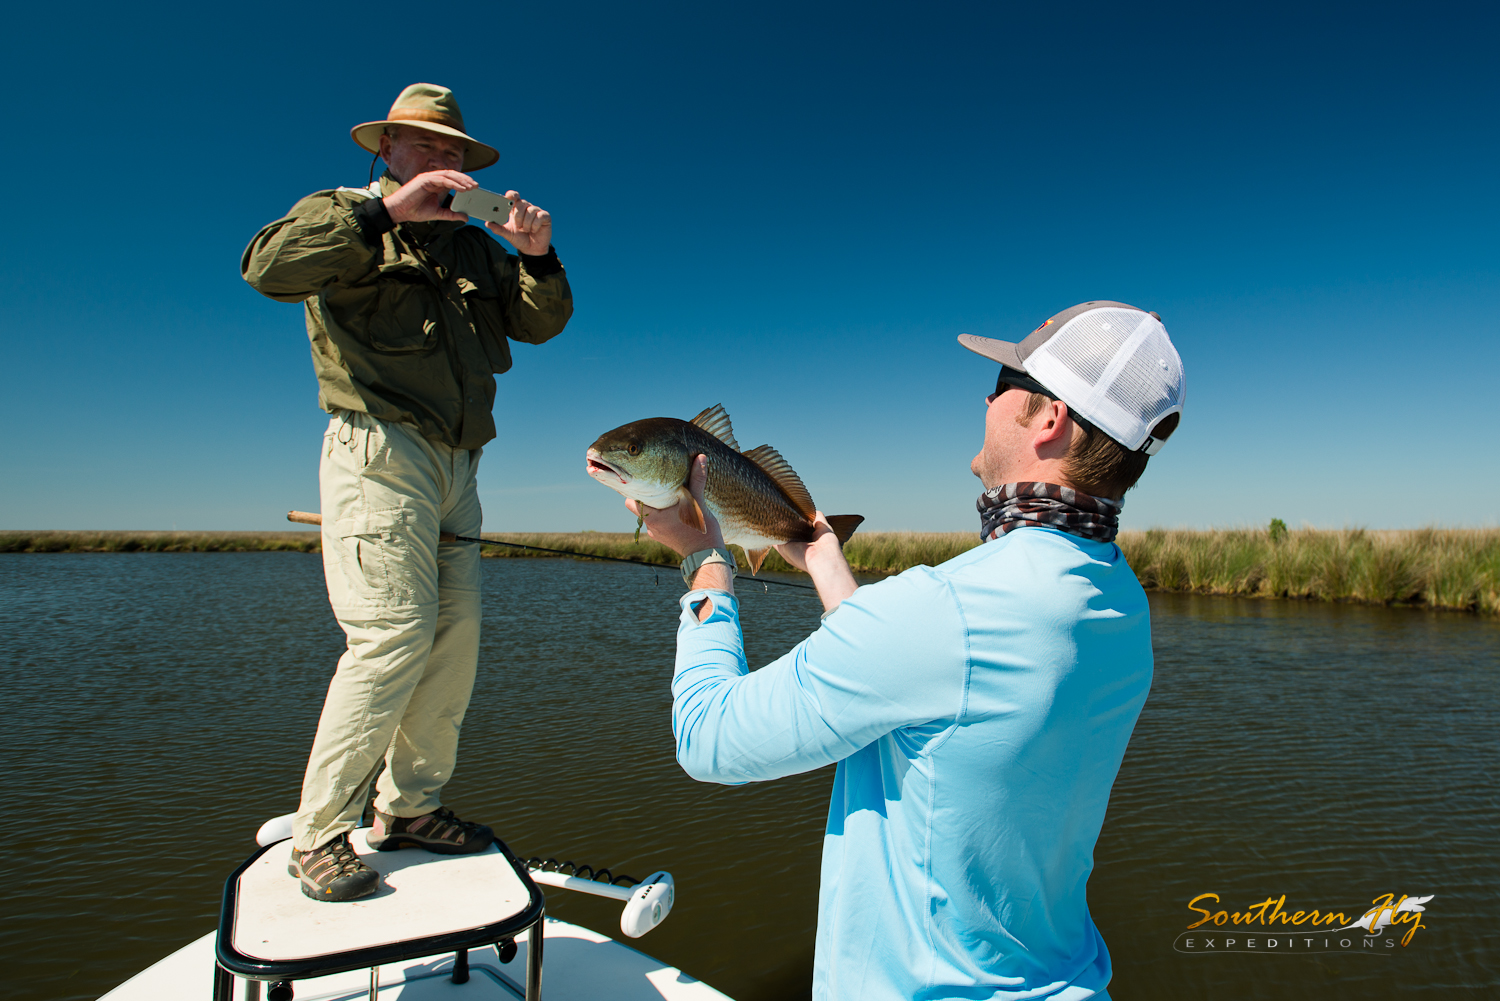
point(694, 562)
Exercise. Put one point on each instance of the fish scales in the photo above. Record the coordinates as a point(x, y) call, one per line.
point(747, 503)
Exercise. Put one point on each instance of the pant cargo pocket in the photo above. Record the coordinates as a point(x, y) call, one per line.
point(376, 558)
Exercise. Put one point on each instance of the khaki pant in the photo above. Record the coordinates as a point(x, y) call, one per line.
point(409, 606)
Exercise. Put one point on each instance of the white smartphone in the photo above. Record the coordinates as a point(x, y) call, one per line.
point(481, 204)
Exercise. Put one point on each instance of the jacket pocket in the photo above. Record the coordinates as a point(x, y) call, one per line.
point(405, 318)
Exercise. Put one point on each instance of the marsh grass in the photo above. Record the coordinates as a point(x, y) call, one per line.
point(1435, 568)
point(1438, 568)
point(159, 542)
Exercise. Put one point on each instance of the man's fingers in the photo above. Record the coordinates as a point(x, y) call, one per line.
point(511, 233)
point(518, 207)
point(450, 179)
point(438, 181)
point(526, 217)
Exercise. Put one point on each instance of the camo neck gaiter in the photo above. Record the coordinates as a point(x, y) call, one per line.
point(1047, 505)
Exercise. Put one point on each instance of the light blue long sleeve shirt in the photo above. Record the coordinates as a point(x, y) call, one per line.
point(978, 712)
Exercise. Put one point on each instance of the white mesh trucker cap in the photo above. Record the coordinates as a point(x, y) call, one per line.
point(1112, 363)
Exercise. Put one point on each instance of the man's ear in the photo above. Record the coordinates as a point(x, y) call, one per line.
point(1051, 424)
point(385, 147)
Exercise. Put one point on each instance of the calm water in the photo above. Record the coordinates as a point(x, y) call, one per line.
point(161, 705)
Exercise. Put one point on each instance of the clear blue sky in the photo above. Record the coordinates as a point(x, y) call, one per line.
point(788, 209)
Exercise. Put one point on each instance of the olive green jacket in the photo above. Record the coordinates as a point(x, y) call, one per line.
point(408, 324)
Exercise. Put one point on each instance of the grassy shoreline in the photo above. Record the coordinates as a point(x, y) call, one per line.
point(1431, 568)
point(158, 542)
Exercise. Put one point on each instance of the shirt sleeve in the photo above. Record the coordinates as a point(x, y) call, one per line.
point(320, 241)
point(891, 656)
point(538, 299)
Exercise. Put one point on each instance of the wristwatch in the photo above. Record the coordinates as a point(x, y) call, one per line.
point(697, 561)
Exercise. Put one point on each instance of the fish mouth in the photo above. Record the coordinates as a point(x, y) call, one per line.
point(601, 470)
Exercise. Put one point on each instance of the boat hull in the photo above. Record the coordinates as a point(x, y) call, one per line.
point(581, 965)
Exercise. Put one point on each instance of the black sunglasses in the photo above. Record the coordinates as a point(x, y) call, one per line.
point(1012, 379)
point(1009, 378)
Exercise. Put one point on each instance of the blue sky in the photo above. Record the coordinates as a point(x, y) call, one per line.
point(788, 209)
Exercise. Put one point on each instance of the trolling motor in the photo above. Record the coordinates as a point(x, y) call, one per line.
point(647, 901)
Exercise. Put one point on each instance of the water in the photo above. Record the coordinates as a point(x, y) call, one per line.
point(161, 706)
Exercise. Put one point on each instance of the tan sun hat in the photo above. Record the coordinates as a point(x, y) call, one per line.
point(427, 106)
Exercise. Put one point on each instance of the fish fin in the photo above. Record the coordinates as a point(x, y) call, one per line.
point(781, 473)
point(755, 557)
point(689, 513)
point(715, 420)
point(843, 525)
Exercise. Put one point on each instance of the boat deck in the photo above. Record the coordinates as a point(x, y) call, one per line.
point(421, 896)
point(582, 965)
point(427, 906)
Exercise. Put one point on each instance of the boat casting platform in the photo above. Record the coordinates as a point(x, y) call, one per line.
point(427, 905)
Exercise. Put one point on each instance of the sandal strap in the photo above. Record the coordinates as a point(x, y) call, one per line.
point(448, 818)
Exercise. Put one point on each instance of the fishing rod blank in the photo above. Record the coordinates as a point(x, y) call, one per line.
point(308, 518)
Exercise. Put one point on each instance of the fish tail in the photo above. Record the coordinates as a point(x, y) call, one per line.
point(843, 525)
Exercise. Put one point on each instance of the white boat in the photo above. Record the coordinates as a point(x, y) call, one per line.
point(455, 928)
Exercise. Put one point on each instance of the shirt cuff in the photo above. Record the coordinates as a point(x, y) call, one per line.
point(542, 265)
point(374, 220)
point(726, 606)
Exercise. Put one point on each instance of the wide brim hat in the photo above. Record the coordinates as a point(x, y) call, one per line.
point(427, 106)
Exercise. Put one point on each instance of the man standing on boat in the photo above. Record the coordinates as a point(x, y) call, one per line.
point(979, 710)
point(409, 312)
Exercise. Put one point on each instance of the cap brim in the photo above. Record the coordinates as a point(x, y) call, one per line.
point(476, 157)
point(1003, 352)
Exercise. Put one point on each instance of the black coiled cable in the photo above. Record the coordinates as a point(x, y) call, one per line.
point(568, 868)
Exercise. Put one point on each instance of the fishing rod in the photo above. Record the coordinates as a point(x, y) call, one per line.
point(309, 518)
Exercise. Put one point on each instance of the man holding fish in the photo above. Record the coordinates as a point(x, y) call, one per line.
point(977, 711)
point(409, 313)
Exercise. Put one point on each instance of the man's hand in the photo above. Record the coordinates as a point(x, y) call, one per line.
point(529, 229)
point(668, 529)
point(823, 560)
point(421, 198)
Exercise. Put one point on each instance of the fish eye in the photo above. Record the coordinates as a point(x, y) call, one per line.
point(633, 448)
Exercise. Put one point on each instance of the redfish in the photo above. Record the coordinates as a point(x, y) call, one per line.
point(757, 499)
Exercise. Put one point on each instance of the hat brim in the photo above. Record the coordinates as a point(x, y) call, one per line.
point(477, 155)
point(1003, 352)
